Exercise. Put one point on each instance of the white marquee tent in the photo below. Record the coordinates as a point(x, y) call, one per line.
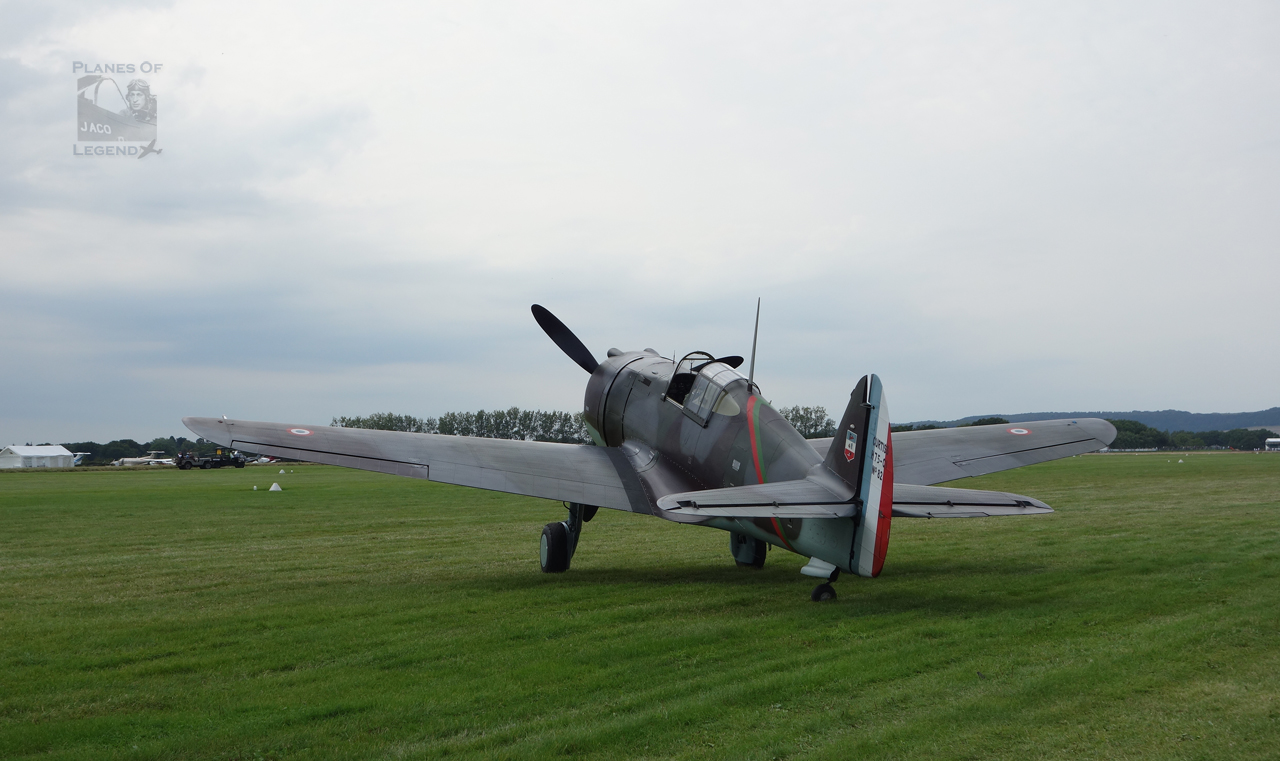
point(36, 457)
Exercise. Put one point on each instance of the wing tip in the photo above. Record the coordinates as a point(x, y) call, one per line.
point(207, 428)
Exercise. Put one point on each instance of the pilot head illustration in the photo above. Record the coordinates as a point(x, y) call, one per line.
point(142, 104)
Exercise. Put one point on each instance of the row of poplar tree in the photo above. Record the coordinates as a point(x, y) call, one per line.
point(540, 425)
point(511, 423)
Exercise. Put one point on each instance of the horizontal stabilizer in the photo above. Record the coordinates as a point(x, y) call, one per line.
point(911, 501)
point(807, 498)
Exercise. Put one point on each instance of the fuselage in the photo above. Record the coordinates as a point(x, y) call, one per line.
point(697, 424)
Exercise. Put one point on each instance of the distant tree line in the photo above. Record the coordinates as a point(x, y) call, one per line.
point(811, 422)
point(105, 454)
point(540, 425)
point(932, 427)
point(984, 421)
point(1130, 434)
point(814, 423)
point(569, 428)
point(537, 425)
point(512, 423)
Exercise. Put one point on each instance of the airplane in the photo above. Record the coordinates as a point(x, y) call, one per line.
point(150, 148)
point(150, 459)
point(694, 441)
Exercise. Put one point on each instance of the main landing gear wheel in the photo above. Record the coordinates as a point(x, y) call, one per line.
point(554, 552)
point(823, 592)
point(559, 540)
point(748, 551)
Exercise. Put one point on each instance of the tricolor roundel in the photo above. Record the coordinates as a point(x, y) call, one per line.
point(299, 431)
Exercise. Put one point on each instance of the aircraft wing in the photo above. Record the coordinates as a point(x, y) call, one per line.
point(809, 498)
point(945, 454)
point(585, 474)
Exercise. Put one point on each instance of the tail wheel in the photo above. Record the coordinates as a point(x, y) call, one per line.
point(554, 551)
point(823, 592)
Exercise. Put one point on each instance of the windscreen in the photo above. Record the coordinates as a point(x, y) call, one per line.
point(708, 394)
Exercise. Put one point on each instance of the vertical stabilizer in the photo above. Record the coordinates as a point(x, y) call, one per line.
point(862, 456)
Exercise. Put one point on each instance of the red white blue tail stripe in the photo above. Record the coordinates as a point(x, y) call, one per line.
point(871, 542)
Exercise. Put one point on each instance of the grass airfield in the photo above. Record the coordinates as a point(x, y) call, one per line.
point(154, 613)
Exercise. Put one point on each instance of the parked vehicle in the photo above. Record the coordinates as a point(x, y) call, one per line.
point(220, 459)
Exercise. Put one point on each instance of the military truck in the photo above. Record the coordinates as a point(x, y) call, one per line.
point(220, 459)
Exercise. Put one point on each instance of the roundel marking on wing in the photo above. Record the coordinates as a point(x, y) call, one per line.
point(299, 431)
point(1019, 431)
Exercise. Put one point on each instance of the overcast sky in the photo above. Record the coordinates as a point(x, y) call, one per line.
point(998, 207)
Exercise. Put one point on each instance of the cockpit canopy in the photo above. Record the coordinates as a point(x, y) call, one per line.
point(699, 385)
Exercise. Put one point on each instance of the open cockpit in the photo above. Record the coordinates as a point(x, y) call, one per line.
point(704, 386)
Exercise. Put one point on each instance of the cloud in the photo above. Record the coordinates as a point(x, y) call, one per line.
point(998, 208)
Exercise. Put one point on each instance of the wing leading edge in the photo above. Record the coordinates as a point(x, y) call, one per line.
point(569, 472)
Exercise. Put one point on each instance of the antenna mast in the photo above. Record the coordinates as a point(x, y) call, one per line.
point(751, 373)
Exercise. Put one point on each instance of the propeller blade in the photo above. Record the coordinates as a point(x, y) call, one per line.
point(564, 338)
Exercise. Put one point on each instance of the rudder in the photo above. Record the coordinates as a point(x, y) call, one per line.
point(862, 456)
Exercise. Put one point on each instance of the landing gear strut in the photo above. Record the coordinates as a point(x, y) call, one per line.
point(559, 540)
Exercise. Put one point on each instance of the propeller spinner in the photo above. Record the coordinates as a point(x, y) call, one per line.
point(564, 338)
